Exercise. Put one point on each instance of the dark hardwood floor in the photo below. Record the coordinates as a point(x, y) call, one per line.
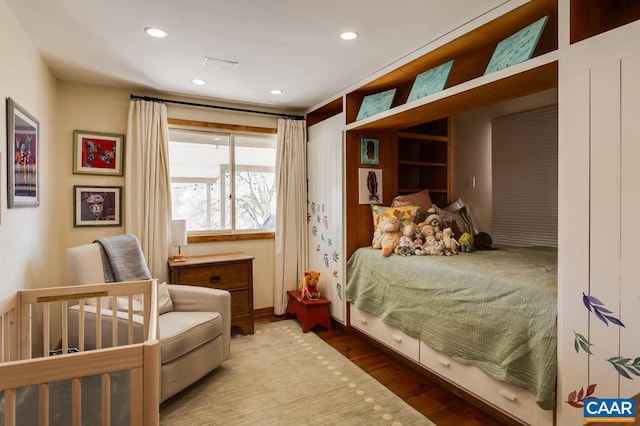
point(439, 404)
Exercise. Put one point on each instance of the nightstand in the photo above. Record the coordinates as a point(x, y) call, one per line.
point(229, 271)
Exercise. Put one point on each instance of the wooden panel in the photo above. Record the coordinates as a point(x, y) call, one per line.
point(593, 17)
point(605, 229)
point(240, 302)
point(359, 222)
point(324, 112)
point(573, 239)
point(630, 206)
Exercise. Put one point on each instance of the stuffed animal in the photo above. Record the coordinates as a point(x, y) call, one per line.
point(433, 219)
point(429, 247)
point(390, 225)
point(426, 230)
point(450, 243)
point(466, 243)
point(405, 246)
point(309, 285)
point(418, 246)
point(482, 241)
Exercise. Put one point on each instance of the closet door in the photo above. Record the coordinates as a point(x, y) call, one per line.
point(325, 204)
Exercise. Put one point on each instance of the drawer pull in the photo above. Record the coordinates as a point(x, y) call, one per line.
point(510, 396)
point(397, 338)
point(363, 321)
point(444, 362)
point(214, 279)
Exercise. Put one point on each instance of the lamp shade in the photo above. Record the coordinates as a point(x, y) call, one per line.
point(178, 233)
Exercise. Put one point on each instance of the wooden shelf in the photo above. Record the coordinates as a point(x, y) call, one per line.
point(589, 18)
point(421, 163)
point(471, 54)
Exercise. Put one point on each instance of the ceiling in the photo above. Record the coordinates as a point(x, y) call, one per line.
point(291, 45)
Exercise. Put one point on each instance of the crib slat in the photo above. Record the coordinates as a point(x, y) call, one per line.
point(76, 402)
point(81, 326)
point(25, 332)
point(106, 400)
point(114, 321)
point(98, 323)
point(136, 398)
point(9, 407)
point(130, 323)
point(65, 326)
point(46, 334)
point(43, 405)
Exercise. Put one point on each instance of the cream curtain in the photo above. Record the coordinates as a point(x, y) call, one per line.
point(291, 212)
point(147, 205)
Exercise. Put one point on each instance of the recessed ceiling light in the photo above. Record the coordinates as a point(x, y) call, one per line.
point(276, 92)
point(156, 32)
point(198, 81)
point(349, 35)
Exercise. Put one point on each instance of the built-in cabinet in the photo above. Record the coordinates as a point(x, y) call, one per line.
point(589, 51)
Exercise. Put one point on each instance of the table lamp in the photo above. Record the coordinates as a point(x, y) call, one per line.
point(179, 238)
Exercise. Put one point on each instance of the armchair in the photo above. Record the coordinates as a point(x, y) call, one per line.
point(194, 333)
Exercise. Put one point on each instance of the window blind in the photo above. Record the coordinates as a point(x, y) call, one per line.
point(525, 178)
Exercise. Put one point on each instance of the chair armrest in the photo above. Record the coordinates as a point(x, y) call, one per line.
point(203, 299)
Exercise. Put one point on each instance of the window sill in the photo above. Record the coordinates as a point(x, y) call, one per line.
point(194, 239)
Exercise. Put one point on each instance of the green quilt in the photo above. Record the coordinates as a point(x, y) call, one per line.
point(492, 309)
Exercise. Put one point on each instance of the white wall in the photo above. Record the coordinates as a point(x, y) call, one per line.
point(471, 152)
point(27, 235)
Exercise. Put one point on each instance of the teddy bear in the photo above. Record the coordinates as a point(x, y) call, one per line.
point(426, 230)
point(466, 243)
point(433, 219)
point(450, 243)
point(405, 246)
point(309, 285)
point(390, 226)
point(418, 246)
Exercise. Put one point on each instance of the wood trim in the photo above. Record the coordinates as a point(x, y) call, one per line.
point(212, 238)
point(324, 112)
point(220, 126)
point(264, 313)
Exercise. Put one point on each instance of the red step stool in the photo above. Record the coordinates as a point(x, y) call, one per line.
point(310, 312)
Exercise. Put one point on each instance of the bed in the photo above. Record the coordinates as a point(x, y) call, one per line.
point(492, 311)
point(62, 385)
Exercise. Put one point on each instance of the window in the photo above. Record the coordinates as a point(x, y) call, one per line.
point(223, 182)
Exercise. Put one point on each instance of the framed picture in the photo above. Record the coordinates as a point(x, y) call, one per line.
point(516, 48)
point(97, 206)
point(23, 138)
point(96, 153)
point(369, 151)
point(370, 186)
point(373, 104)
point(430, 81)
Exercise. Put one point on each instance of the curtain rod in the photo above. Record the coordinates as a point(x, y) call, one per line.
point(169, 101)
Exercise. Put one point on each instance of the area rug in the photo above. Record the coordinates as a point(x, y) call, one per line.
point(282, 376)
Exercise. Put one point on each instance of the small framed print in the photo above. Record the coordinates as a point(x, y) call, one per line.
point(23, 146)
point(96, 153)
point(370, 186)
point(97, 206)
point(369, 151)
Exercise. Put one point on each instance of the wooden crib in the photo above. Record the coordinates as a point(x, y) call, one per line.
point(36, 379)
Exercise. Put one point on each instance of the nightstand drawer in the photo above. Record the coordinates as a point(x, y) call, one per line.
point(228, 276)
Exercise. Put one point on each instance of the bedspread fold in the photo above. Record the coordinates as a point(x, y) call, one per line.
point(493, 309)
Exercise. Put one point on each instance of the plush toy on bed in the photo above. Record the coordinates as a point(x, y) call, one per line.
point(432, 219)
point(390, 226)
point(418, 246)
point(466, 243)
point(309, 285)
point(450, 243)
point(405, 246)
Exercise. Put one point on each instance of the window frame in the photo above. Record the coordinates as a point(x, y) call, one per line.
point(233, 130)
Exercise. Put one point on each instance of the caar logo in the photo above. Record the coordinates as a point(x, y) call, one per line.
point(609, 410)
